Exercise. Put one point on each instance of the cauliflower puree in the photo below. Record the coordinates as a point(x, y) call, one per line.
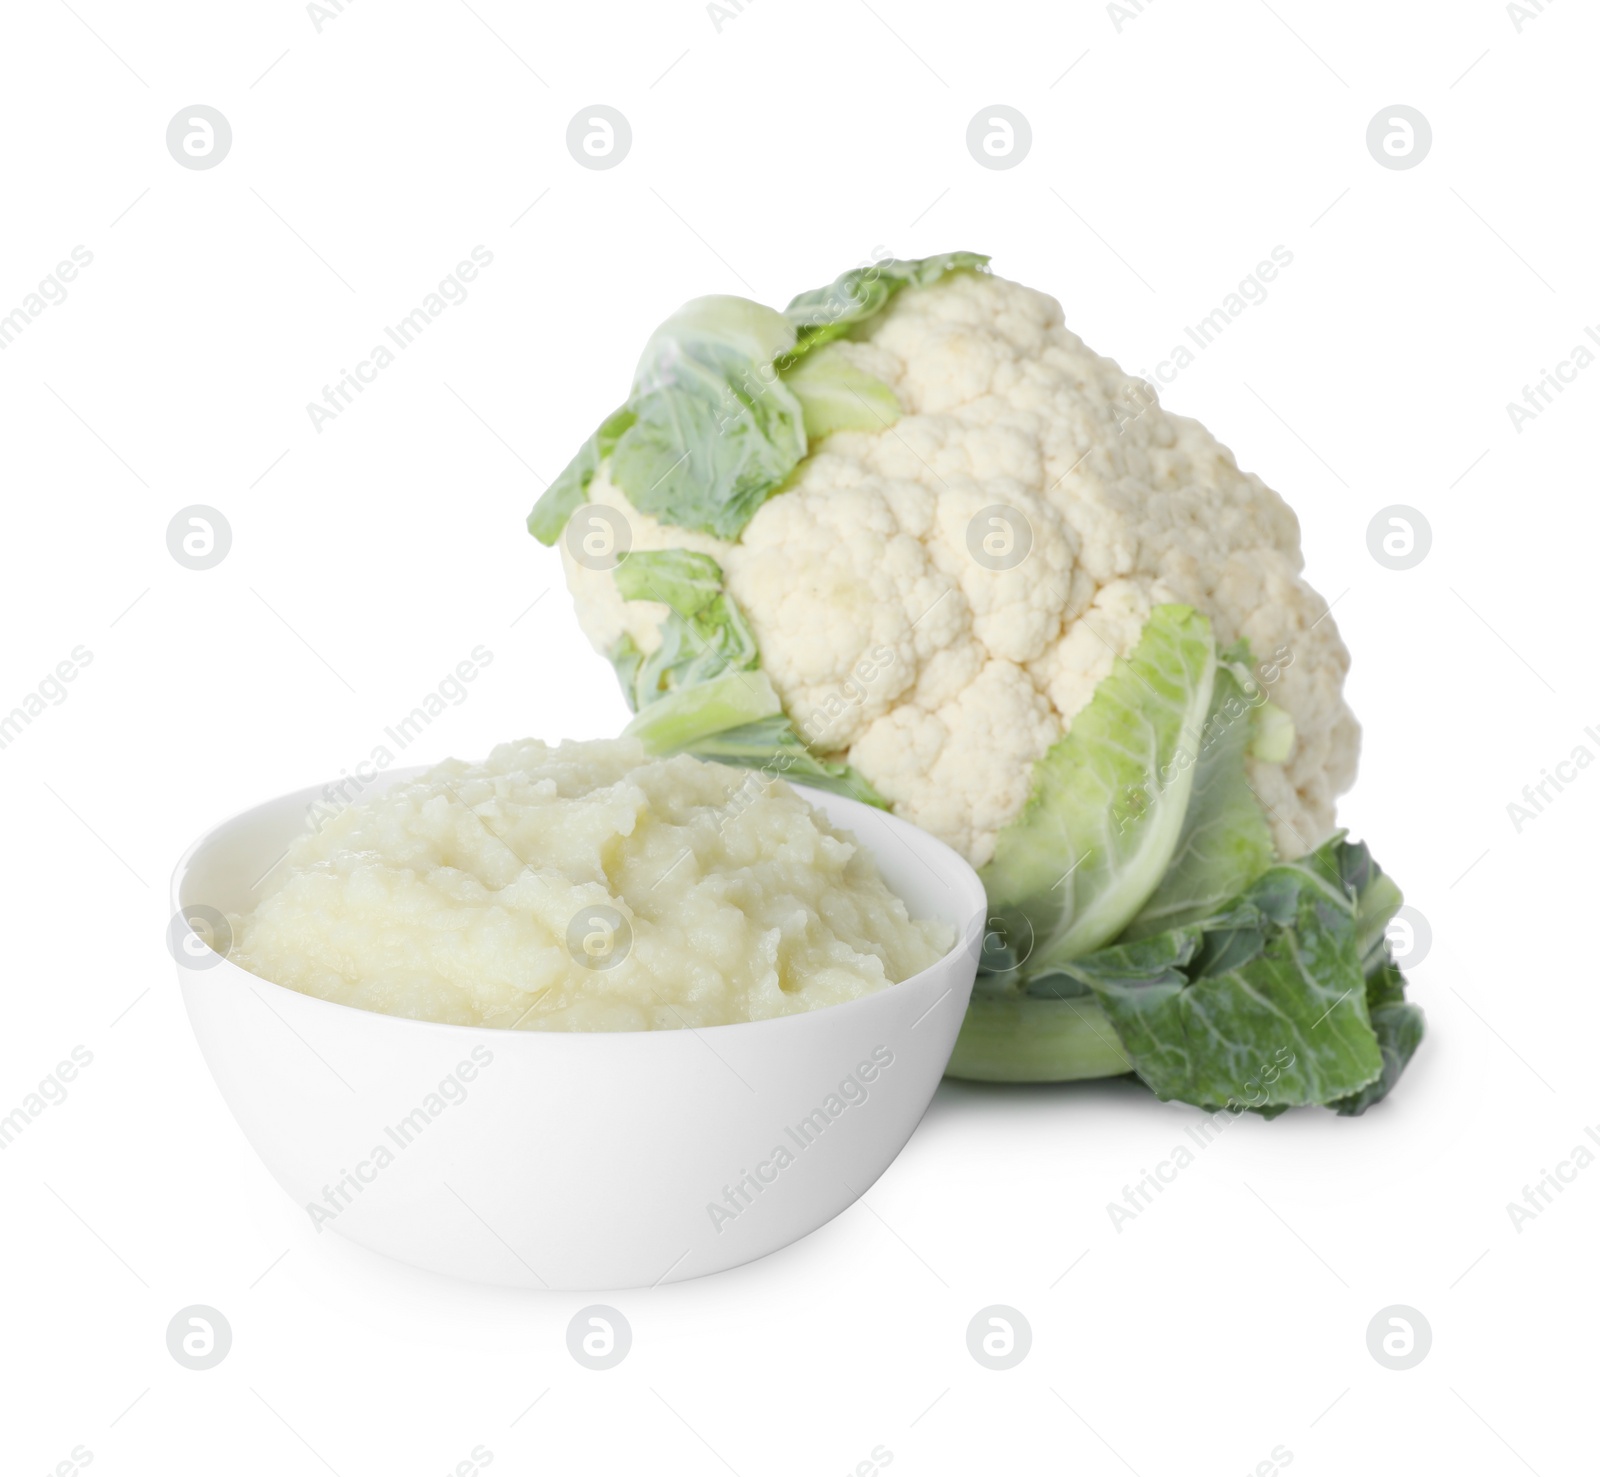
point(583, 888)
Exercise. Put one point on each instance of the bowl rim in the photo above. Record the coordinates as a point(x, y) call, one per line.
point(969, 935)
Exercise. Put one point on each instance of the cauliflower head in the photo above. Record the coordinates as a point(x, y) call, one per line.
point(943, 580)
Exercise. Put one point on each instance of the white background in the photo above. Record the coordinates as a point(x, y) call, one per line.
point(1169, 156)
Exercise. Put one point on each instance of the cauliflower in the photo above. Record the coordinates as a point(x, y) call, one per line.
point(866, 560)
point(912, 540)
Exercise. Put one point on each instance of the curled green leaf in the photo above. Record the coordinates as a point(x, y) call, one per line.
point(1108, 800)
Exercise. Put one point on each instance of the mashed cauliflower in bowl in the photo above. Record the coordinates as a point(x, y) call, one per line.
point(582, 887)
point(598, 1152)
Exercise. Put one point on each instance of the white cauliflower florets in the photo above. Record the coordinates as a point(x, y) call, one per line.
point(941, 679)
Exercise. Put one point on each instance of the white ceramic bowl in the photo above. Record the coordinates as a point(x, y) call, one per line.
point(561, 1160)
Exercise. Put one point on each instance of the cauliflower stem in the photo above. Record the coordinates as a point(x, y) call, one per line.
point(1026, 1039)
